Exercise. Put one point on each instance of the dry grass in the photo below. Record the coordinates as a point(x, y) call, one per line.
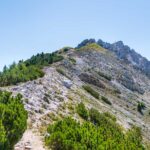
point(93, 46)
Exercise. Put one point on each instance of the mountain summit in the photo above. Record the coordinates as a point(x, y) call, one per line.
point(124, 53)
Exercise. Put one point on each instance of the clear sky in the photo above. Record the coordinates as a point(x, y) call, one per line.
point(31, 26)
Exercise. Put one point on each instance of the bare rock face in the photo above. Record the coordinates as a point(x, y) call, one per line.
point(91, 80)
point(127, 80)
point(129, 55)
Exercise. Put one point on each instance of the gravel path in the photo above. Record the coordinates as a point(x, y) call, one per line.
point(30, 141)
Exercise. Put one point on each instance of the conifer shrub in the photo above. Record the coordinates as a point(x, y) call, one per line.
point(106, 100)
point(82, 111)
point(13, 120)
point(91, 91)
point(28, 70)
point(99, 133)
point(140, 107)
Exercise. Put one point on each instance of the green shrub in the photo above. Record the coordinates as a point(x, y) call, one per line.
point(91, 46)
point(46, 99)
point(27, 70)
point(106, 100)
point(140, 107)
point(66, 49)
point(44, 59)
point(19, 73)
point(134, 138)
point(13, 120)
point(110, 116)
point(117, 91)
point(91, 91)
point(101, 133)
point(107, 77)
point(82, 111)
point(72, 60)
point(61, 71)
point(94, 116)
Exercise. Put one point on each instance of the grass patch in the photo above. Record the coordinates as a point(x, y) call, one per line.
point(106, 100)
point(110, 116)
point(117, 91)
point(65, 49)
point(73, 61)
point(61, 71)
point(92, 46)
point(140, 107)
point(107, 77)
point(82, 111)
point(91, 91)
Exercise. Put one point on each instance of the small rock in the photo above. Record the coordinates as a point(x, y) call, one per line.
point(28, 147)
point(67, 83)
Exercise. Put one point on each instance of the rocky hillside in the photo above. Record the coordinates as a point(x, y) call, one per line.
point(108, 70)
point(125, 53)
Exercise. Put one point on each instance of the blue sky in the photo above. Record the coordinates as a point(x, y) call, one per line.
point(31, 26)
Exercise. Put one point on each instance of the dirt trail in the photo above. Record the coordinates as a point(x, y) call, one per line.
point(30, 141)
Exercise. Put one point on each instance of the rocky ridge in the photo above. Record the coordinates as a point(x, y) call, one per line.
point(56, 95)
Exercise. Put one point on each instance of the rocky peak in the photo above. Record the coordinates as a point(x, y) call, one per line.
point(85, 42)
point(123, 52)
point(118, 44)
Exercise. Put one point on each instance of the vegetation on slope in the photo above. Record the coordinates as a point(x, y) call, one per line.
point(13, 120)
point(27, 70)
point(101, 132)
point(85, 42)
point(81, 110)
point(105, 99)
point(107, 77)
point(43, 59)
point(17, 73)
point(140, 107)
point(92, 46)
point(91, 91)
